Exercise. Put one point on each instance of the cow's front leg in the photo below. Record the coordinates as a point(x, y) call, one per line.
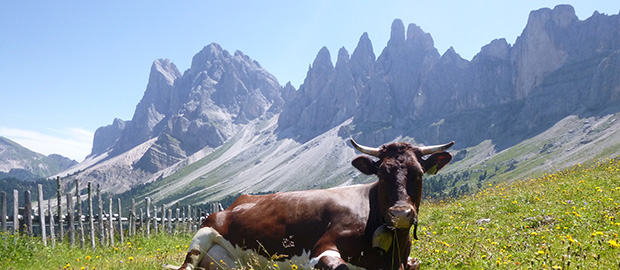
point(329, 260)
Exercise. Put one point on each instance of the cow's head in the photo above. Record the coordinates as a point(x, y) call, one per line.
point(400, 168)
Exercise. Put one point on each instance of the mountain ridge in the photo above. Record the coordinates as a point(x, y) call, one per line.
point(409, 92)
point(21, 163)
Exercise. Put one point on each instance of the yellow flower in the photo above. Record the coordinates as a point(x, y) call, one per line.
point(540, 252)
point(130, 258)
point(294, 267)
point(87, 258)
point(613, 243)
point(570, 238)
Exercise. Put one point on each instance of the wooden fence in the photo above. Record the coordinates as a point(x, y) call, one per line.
point(106, 226)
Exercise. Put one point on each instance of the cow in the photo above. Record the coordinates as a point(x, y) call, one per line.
point(366, 225)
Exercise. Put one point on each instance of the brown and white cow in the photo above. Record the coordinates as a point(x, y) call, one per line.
point(364, 225)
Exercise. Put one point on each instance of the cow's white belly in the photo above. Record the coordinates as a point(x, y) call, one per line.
point(223, 253)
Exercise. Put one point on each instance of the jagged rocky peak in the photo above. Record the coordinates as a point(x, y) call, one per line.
point(209, 53)
point(498, 49)
point(323, 60)
point(318, 75)
point(105, 137)
point(343, 58)
point(397, 34)
point(450, 55)
point(164, 70)
point(417, 37)
point(155, 103)
point(363, 58)
point(539, 50)
point(561, 15)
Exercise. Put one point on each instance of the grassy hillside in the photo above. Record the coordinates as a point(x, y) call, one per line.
point(565, 220)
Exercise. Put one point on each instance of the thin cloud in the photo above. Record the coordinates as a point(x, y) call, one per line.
point(71, 142)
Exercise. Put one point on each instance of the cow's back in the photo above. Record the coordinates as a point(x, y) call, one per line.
point(291, 222)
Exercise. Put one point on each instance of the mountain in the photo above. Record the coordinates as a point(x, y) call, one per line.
point(226, 125)
point(18, 162)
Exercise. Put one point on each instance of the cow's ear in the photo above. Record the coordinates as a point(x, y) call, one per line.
point(365, 165)
point(435, 162)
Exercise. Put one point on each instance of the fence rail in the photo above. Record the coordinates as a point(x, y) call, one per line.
point(107, 226)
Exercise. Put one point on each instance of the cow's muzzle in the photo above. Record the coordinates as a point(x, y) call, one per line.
point(401, 217)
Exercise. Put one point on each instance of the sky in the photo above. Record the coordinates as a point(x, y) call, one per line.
point(69, 67)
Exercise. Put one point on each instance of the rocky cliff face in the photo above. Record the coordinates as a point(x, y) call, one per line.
point(559, 66)
point(506, 93)
point(203, 107)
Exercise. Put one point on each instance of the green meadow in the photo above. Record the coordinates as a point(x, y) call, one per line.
point(565, 220)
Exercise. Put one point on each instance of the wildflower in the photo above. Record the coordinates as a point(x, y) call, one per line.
point(130, 258)
point(613, 243)
point(87, 258)
point(540, 252)
point(557, 267)
point(570, 238)
point(293, 267)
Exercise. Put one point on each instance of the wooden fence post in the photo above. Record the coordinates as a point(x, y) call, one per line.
point(15, 215)
point(28, 212)
point(101, 228)
point(148, 217)
point(132, 218)
point(142, 222)
point(61, 226)
point(110, 227)
point(178, 218)
point(189, 218)
point(71, 218)
point(91, 219)
point(2, 211)
point(162, 225)
point(120, 221)
point(155, 218)
point(49, 213)
point(78, 203)
point(169, 221)
point(42, 214)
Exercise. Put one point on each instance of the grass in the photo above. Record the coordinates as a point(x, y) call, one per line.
point(565, 220)
point(135, 253)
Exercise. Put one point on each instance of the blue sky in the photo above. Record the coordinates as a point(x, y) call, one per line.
point(69, 67)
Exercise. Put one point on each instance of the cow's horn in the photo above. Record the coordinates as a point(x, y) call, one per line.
point(365, 149)
point(427, 150)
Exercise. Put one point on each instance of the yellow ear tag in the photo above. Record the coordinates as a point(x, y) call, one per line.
point(382, 238)
point(432, 170)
